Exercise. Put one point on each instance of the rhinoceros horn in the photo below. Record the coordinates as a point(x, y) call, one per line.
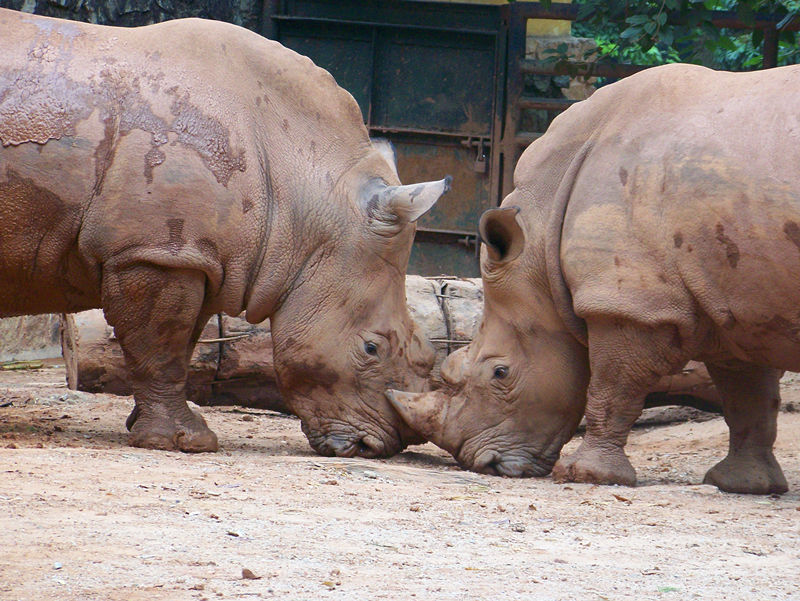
point(404, 203)
point(424, 412)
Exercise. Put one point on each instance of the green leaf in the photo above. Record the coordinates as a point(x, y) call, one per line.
point(650, 27)
point(638, 19)
point(661, 18)
point(631, 32)
point(727, 43)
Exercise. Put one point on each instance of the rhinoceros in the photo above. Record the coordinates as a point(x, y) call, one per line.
point(170, 172)
point(656, 222)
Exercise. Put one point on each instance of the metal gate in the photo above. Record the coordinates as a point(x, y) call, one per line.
point(430, 77)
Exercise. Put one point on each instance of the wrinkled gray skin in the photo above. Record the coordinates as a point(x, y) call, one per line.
point(656, 222)
point(170, 172)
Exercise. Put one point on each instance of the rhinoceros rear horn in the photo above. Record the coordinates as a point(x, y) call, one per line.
point(502, 234)
point(403, 204)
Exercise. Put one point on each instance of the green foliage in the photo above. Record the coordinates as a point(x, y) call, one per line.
point(654, 32)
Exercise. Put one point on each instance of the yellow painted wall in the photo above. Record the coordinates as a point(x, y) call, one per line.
point(536, 27)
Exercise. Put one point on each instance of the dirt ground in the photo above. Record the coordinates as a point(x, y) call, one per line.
point(84, 517)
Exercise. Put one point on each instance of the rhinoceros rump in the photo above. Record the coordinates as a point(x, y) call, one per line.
point(656, 222)
point(170, 172)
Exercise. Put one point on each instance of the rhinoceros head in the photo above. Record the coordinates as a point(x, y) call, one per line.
point(344, 333)
point(516, 393)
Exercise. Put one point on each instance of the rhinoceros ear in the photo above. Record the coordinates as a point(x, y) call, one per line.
point(397, 205)
point(501, 232)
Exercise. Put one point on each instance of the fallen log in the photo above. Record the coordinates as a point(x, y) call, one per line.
point(232, 363)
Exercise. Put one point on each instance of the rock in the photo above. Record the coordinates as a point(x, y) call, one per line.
point(29, 337)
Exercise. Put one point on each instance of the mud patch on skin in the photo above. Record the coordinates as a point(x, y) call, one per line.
point(678, 239)
point(792, 231)
point(154, 157)
point(37, 107)
point(208, 137)
point(305, 376)
point(623, 176)
point(731, 250)
point(39, 265)
point(40, 106)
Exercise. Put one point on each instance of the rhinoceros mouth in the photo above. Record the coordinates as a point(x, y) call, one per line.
point(495, 463)
point(369, 447)
point(351, 444)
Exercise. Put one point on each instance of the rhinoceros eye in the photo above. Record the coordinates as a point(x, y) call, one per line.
point(500, 372)
point(371, 348)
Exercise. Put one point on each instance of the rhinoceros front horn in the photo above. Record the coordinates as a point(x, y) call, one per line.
point(424, 412)
point(404, 204)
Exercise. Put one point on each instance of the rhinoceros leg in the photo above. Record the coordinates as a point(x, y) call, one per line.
point(156, 314)
point(750, 402)
point(626, 362)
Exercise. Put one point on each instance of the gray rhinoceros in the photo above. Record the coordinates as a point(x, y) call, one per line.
point(170, 172)
point(656, 222)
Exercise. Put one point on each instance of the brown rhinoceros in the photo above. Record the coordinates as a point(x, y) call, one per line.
point(655, 222)
point(170, 172)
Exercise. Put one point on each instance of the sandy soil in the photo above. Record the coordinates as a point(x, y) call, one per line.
point(84, 517)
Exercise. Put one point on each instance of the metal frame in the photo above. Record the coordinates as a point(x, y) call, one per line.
point(507, 26)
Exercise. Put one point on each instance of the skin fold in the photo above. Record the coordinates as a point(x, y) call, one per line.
point(654, 223)
point(170, 172)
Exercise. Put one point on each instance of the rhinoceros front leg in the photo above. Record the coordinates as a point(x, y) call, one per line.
point(157, 318)
point(626, 361)
point(750, 403)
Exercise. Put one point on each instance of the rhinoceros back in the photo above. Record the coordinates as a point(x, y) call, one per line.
point(687, 207)
point(159, 144)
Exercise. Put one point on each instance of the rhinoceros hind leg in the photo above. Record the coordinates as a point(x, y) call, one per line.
point(157, 317)
point(750, 473)
point(750, 401)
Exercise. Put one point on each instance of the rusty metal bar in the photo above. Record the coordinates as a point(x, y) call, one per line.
point(580, 68)
point(524, 138)
point(547, 104)
point(770, 49)
point(454, 29)
point(517, 16)
point(424, 132)
point(499, 109)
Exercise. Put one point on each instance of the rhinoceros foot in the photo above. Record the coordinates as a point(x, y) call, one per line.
point(596, 465)
point(189, 434)
point(755, 473)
